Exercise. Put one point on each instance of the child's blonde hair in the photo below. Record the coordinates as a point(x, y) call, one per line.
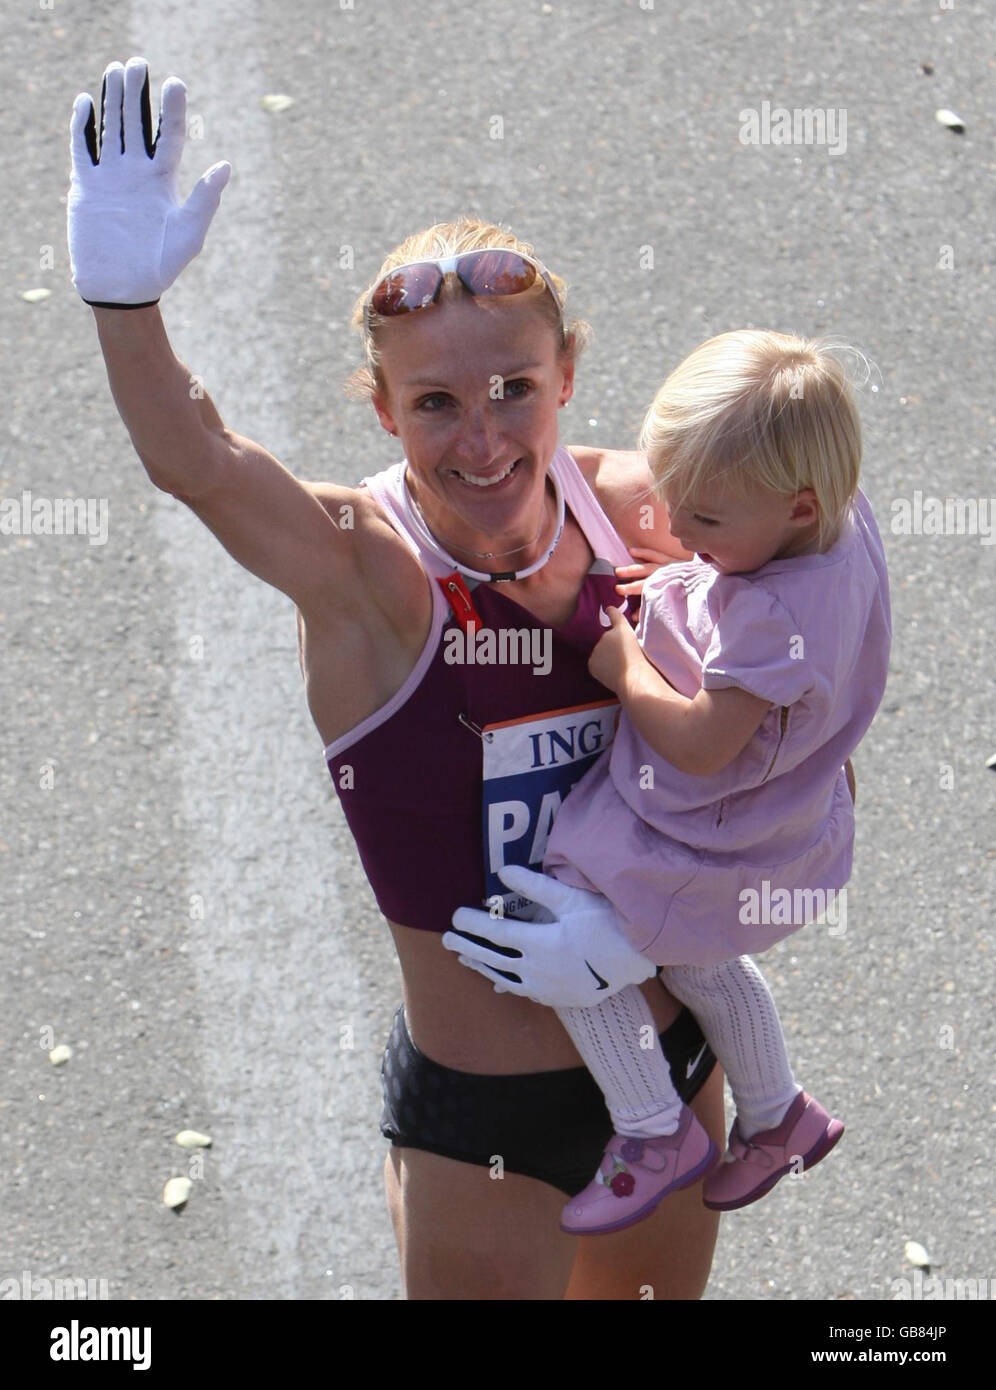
point(450, 239)
point(759, 410)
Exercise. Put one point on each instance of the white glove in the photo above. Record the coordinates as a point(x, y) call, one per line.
point(129, 237)
point(577, 957)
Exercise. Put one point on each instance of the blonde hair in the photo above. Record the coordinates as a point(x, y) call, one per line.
point(759, 410)
point(450, 239)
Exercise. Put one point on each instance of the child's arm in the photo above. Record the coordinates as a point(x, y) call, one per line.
point(698, 736)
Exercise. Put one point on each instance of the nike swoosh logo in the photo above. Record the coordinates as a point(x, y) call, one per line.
point(694, 1063)
point(603, 616)
point(602, 984)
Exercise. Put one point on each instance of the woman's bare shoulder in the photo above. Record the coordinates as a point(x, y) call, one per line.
point(354, 510)
point(616, 473)
point(335, 496)
point(622, 482)
point(386, 567)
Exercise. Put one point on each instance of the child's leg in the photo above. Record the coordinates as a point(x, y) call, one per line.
point(658, 1146)
point(737, 1014)
point(634, 1078)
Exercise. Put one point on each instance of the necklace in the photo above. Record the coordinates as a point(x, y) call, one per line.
point(421, 526)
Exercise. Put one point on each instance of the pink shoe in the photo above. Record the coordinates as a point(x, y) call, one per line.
point(636, 1174)
point(751, 1167)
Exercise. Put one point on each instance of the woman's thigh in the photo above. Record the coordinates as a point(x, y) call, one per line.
point(463, 1234)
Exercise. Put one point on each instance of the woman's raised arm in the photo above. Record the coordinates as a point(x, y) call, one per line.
point(266, 519)
point(129, 238)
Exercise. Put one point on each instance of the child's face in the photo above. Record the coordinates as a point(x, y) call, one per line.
point(737, 534)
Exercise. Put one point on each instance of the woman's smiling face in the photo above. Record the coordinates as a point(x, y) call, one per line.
point(472, 390)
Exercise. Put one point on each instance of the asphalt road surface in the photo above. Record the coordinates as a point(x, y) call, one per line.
point(180, 900)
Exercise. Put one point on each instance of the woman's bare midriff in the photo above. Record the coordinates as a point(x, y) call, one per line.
point(455, 1016)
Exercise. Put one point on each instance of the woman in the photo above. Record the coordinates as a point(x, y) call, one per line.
point(470, 384)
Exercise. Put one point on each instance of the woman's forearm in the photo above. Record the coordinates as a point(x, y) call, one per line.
point(173, 424)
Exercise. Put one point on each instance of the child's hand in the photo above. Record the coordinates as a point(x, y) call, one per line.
point(631, 577)
point(614, 651)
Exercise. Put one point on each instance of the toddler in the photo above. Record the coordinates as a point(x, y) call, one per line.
point(720, 820)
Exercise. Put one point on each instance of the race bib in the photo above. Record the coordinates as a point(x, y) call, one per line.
point(530, 764)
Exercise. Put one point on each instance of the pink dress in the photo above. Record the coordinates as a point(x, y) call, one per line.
point(685, 859)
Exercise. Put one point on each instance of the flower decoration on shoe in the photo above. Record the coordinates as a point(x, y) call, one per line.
point(623, 1183)
point(613, 1174)
point(636, 1174)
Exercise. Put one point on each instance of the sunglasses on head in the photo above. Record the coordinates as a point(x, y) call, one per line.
point(489, 272)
